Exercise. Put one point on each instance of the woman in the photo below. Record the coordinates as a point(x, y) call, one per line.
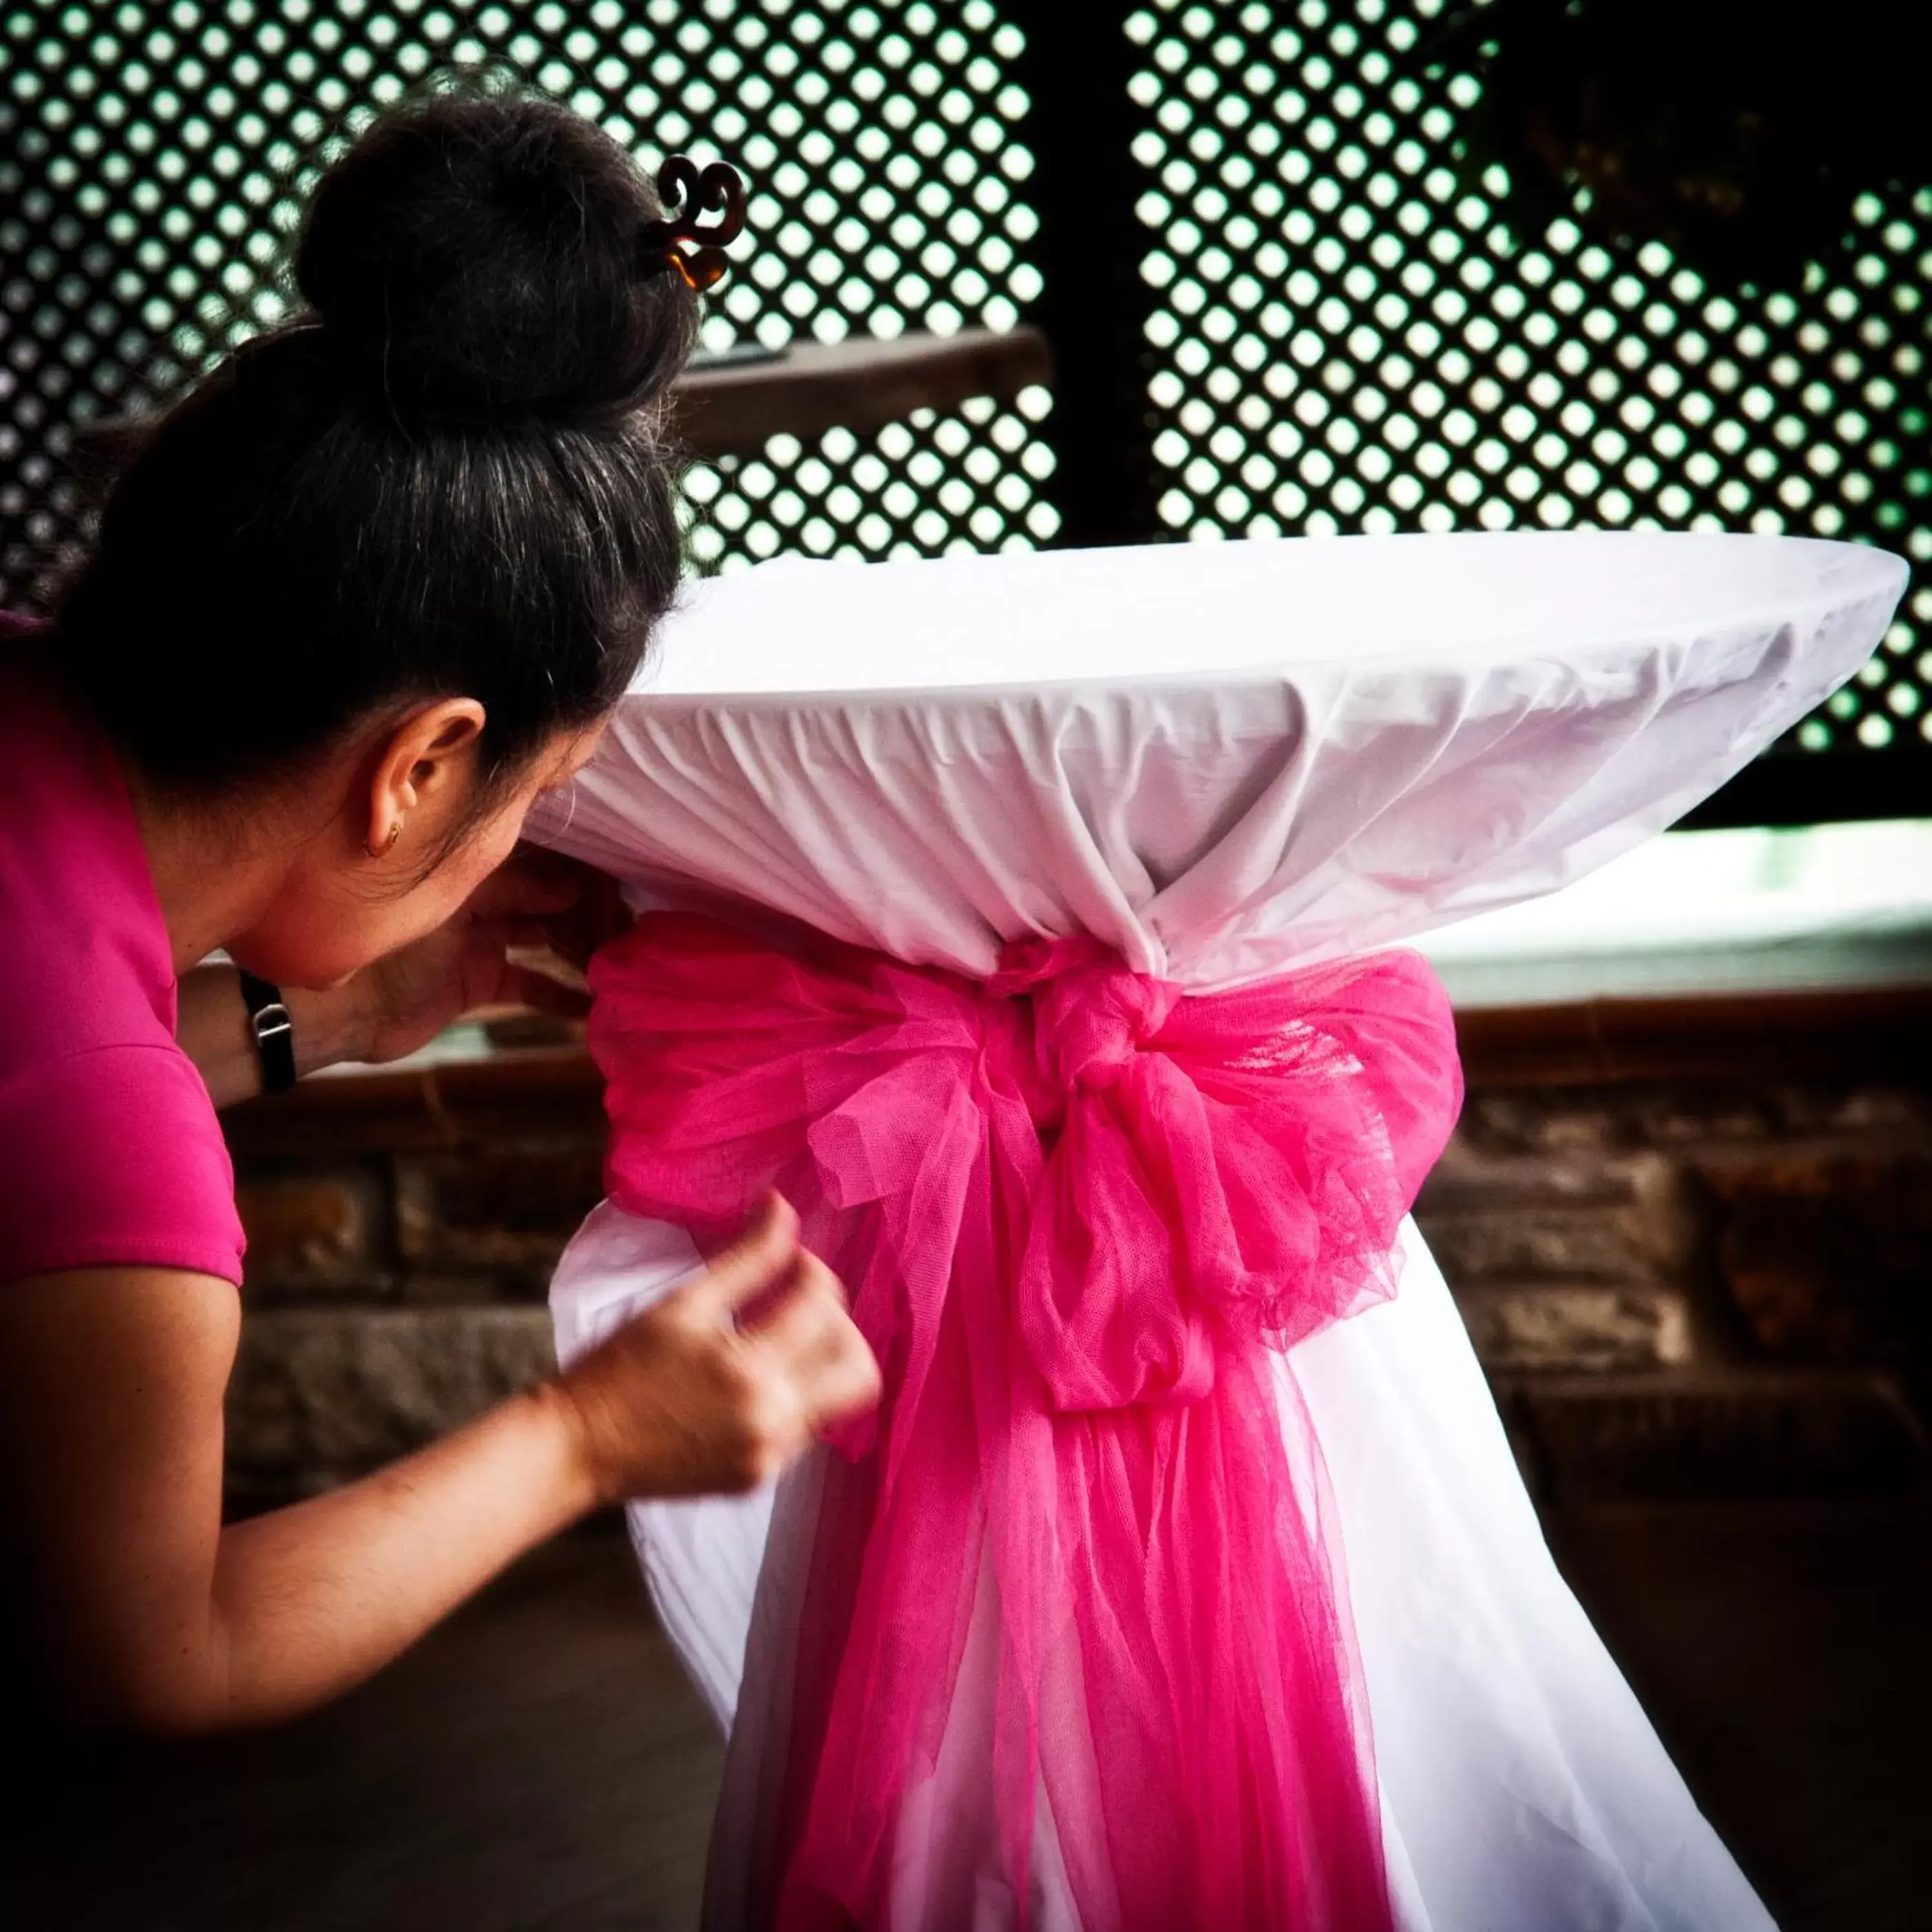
point(353, 603)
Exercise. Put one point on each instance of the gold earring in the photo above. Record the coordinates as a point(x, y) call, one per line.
point(389, 845)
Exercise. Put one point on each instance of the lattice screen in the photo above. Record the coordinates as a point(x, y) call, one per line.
point(152, 156)
point(1344, 336)
point(1346, 339)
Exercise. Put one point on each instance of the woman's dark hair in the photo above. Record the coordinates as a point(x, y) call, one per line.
point(449, 477)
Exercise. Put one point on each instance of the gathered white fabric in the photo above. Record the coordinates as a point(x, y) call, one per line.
point(1227, 760)
point(1224, 759)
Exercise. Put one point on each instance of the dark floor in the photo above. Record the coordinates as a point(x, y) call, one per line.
point(540, 1762)
point(1783, 1652)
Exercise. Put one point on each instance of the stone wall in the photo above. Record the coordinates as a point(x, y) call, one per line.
point(1705, 1287)
point(402, 1230)
point(1715, 1281)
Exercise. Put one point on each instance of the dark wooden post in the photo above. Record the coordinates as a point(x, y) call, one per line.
point(1093, 307)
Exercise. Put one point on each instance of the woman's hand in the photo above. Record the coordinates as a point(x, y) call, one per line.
point(537, 902)
point(689, 1399)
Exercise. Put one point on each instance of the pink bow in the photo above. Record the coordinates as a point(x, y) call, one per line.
point(1076, 1210)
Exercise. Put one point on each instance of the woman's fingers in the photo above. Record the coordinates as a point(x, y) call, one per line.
point(525, 986)
point(809, 1305)
point(813, 1341)
point(685, 1400)
point(576, 907)
point(530, 884)
point(842, 1378)
point(750, 1267)
point(598, 915)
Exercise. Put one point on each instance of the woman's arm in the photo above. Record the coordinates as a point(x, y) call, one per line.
point(154, 1613)
point(212, 1027)
point(536, 900)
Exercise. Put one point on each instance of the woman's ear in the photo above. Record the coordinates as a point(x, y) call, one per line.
point(423, 766)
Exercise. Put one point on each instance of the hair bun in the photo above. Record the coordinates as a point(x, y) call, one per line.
point(477, 259)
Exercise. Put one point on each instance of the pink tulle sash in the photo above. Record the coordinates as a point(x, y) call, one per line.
point(1076, 1211)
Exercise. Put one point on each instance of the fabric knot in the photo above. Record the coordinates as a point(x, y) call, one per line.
point(1090, 1016)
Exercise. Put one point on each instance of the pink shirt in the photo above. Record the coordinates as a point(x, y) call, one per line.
point(109, 1149)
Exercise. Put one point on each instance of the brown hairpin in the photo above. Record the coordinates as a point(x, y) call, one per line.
point(687, 194)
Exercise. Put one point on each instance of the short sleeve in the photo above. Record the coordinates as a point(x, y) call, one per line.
point(114, 1157)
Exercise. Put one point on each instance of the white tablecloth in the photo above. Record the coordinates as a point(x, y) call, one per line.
point(1226, 761)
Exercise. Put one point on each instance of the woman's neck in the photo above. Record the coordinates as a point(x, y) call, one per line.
point(213, 878)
